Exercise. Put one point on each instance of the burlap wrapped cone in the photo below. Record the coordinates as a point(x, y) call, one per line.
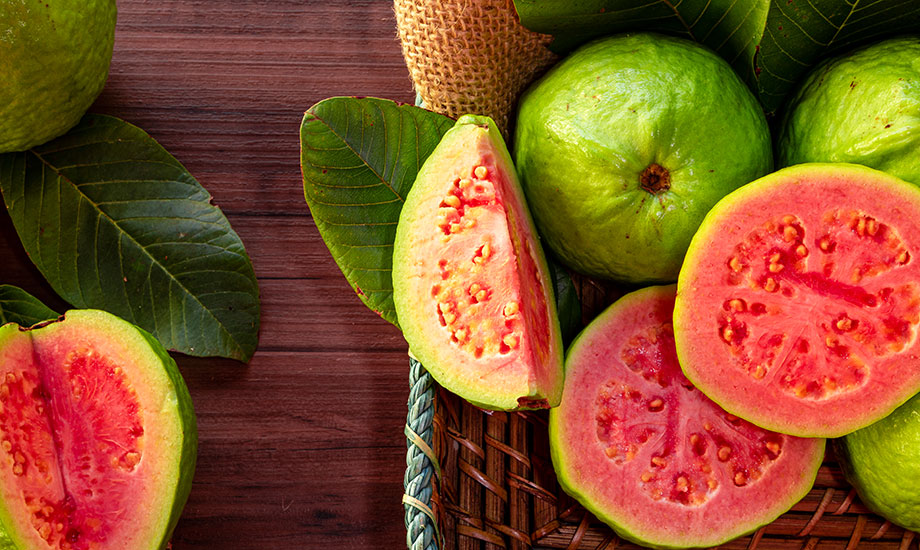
point(470, 56)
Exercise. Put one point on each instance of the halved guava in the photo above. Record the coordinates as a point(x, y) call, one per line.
point(652, 456)
point(470, 283)
point(97, 436)
point(799, 301)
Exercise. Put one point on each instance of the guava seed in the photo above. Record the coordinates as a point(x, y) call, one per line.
point(789, 269)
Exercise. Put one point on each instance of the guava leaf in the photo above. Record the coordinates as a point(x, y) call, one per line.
point(20, 307)
point(568, 306)
point(727, 26)
point(359, 159)
point(800, 33)
point(770, 43)
point(114, 222)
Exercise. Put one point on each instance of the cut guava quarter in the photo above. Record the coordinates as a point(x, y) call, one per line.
point(97, 436)
point(471, 286)
point(636, 444)
point(799, 300)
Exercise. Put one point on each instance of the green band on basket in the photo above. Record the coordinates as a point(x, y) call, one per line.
point(425, 509)
point(425, 448)
point(422, 468)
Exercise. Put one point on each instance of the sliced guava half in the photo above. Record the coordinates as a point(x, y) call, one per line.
point(639, 446)
point(799, 301)
point(97, 436)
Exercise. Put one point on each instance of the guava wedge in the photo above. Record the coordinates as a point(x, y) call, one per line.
point(97, 436)
point(799, 301)
point(471, 286)
point(653, 457)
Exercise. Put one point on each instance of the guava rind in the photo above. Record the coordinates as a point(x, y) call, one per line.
point(862, 107)
point(594, 123)
point(882, 462)
point(188, 456)
point(849, 187)
point(154, 372)
point(54, 57)
point(719, 519)
point(527, 382)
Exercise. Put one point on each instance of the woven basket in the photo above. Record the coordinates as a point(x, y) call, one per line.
point(497, 489)
point(484, 481)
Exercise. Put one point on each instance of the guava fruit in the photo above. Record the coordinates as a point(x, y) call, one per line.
point(799, 300)
point(97, 436)
point(653, 457)
point(882, 461)
point(862, 107)
point(54, 58)
point(624, 146)
point(471, 286)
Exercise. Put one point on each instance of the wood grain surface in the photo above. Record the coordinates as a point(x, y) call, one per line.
point(302, 448)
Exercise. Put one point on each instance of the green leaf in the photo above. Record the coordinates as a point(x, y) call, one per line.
point(20, 307)
point(800, 33)
point(359, 158)
point(568, 306)
point(727, 26)
point(114, 222)
point(770, 43)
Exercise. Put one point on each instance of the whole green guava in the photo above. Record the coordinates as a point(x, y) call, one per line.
point(882, 461)
point(862, 107)
point(624, 146)
point(54, 60)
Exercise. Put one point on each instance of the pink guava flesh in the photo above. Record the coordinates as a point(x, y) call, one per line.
point(77, 470)
point(471, 286)
point(487, 291)
point(651, 455)
point(799, 301)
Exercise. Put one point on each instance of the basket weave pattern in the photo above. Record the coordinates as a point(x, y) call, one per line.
point(484, 481)
point(497, 487)
point(498, 490)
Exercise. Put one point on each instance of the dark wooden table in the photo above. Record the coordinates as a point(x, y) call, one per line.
point(302, 448)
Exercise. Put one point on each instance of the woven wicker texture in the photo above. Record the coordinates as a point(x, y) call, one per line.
point(467, 56)
point(498, 489)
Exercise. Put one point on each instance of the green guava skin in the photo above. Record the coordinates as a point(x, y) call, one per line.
point(590, 127)
point(882, 461)
point(188, 456)
point(54, 61)
point(862, 108)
